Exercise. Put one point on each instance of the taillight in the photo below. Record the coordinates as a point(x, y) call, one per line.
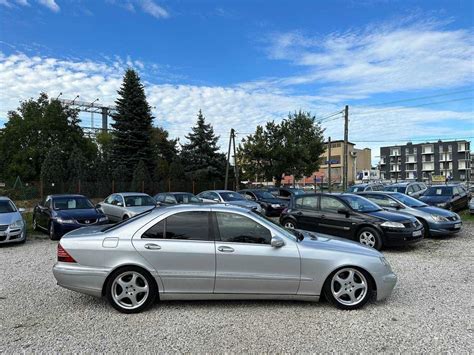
point(64, 256)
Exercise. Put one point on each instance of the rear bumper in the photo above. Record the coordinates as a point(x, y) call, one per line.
point(79, 278)
point(385, 285)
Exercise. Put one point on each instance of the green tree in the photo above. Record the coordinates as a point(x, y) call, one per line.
point(163, 146)
point(32, 130)
point(201, 154)
point(292, 147)
point(176, 170)
point(53, 169)
point(77, 167)
point(141, 178)
point(132, 125)
point(162, 170)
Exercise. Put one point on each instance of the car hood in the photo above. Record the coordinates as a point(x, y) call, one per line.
point(9, 218)
point(389, 216)
point(274, 201)
point(79, 214)
point(435, 199)
point(323, 241)
point(139, 209)
point(437, 211)
point(243, 203)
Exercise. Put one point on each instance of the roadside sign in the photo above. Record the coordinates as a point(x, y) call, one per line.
point(332, 161)
point(438, 178)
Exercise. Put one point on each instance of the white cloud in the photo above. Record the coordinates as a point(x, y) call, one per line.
point(148, 6)
point(240, 107)
point(50, 4)
point(388, 58)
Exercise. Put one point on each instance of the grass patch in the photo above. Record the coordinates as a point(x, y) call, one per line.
point(466, 216)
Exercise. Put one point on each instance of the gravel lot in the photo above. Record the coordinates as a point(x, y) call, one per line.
point(429, 311)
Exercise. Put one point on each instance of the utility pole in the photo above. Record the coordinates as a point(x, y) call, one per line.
point(329, 164)
point(236, 168)
point(228, 159)
point(346, 150)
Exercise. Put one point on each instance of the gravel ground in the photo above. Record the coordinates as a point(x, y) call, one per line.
point(429, 311)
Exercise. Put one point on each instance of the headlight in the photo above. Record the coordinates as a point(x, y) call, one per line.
point(385, 262)
point(103, 219)
point(17, 224)
point(275, 205)
point(65, 220)
point(389, 224)
point(437, 218)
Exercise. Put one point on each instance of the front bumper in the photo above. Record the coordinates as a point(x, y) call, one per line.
point(445, 228)
point(61, 229)
point(80, 278)
point(403, 237)
point(13, 235)
point(385, 285)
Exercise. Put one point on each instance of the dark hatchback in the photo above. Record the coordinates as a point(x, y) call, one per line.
point(271, 206)
point(449, 197)
point(352, 217)
point(59, 214)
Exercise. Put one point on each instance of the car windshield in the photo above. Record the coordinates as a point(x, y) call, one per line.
point(356, 188)
point(139, 201)
point(231, 196)
point(263, 194)
point(360, 204)
point(186, 198)
point(7, 206)
point(71, 203)
point(409, 201)
point(395, 188)
point(439, 191)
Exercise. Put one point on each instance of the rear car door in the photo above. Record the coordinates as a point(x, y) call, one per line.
point(247, 263)
point(307, 213)
point(181, 249)
point(330, 221)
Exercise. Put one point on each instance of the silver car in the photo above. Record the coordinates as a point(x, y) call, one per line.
point(12, 224)
point(124, 205)
point(196, 252)
point(228, 197)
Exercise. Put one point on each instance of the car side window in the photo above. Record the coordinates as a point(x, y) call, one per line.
point(235, 228)
point(109, 199)
point(249, 196)
point(456, 190)
point(410, 189)
point(331, 204)
point(170, 199)
point(368, 188)
point(382, 201)
point(47, 203)
point(214, 196)
point(307, 202)
point(192, 225)
point(285, 194)
point(160, 197)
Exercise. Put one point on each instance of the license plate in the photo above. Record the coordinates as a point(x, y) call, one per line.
point(457, 225)
point(416, 233)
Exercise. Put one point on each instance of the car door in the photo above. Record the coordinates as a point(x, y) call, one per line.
point(44, 213)
point(307, 213)
point(180, 247)
point(247, 263)
point(459, 199)
point(106, 206)
point(330, 221)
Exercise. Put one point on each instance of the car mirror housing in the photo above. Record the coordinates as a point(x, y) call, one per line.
point(120, 204)
point(344, 211)
point(277, 242)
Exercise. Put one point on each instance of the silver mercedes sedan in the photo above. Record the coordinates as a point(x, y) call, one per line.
point(196, 252)
point(123, 205)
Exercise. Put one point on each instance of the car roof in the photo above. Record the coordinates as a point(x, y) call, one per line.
point(217, 191)
point(205, 207)
point(132, 194)
point(66, 195)
point(377, 192)
point(5, 198)
point(401, 184)
point(445, 185)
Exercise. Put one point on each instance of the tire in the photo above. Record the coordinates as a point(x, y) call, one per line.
point(348, 288)
point(121, 290)
point(289, 223)
point(371, 237)
point(426, 227)
point(124, 218)
point(35, 224)
point(52, 233)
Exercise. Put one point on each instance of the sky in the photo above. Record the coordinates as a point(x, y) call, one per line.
point(405, 68)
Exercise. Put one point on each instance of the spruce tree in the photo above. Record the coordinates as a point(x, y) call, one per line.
point(201, 154)
point(141, 177)
point(132, 126)
point(53, 169)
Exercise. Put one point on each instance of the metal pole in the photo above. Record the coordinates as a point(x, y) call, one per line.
point(329, 164)
point(236, 168)
point(228, 160)
point(346, 141)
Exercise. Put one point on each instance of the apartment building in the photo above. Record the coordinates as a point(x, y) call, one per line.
point(422, 161)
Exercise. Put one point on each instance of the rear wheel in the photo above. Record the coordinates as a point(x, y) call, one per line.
point(290, 224)
point(125, 217)
point(52, 233)
point(370, 237)
point(348, 288)
point(131, 290)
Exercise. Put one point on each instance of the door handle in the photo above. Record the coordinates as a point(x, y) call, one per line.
point(152, 246)
point(225, 249)
point(323, 216)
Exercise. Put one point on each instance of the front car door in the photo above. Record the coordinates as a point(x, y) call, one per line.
point(106, 206)
point(180, 246)
point(44, 213)
point(331, 222)
point(247, 263)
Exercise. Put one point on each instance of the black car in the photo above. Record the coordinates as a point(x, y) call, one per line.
point(174, 198)
point(285, 193)
point(271, 206)
point(450, 197)
point(353, 217)
point(59, 214)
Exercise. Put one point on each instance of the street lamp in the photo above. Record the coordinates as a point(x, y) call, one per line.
point(75, 99)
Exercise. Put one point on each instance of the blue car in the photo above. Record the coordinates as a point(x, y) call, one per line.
point(59, 214)
point(449, 197)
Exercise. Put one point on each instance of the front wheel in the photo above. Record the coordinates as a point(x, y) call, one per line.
point(290, 224)
point(131, 290)
point(348, 288)
point(370, 237)
point(35, 223)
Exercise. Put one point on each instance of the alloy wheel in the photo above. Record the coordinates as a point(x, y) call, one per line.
point(349, 286)
point(367, 238)
point(130, 290)
point(289, 225)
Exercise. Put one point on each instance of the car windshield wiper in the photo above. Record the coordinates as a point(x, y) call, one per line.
point(297, 234)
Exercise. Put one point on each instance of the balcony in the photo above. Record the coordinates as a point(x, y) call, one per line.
point(445, 157)
point(427, 149)
point(428, 167)
point(410, 159)
point(395, 153)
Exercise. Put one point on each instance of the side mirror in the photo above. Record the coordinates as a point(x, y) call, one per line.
point(98, 206)
point(343, 211)
point(277, 242)
point(216, 199)
point(21, 210)
point(201, 200)
point(120, 204)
